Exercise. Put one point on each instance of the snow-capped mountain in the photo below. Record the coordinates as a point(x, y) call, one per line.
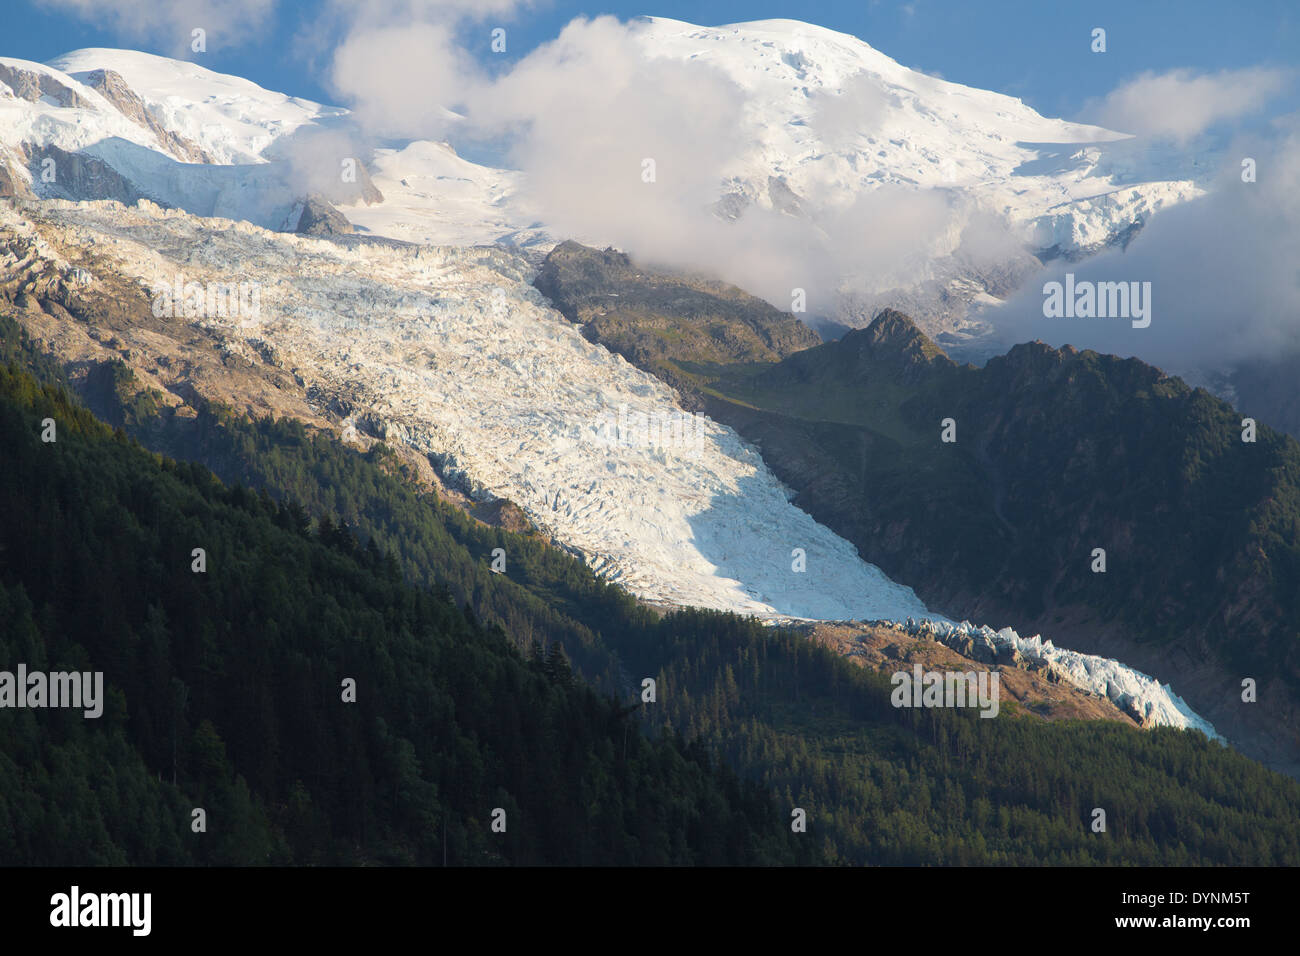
point(831, 123)
point(835, 120)
point(215, 145)
point(124, 125)
point(233, 120)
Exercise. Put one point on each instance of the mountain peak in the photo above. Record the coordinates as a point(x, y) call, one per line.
point(891, 345)
point(893, 333)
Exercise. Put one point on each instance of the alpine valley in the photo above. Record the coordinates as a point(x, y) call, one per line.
point(507, 479)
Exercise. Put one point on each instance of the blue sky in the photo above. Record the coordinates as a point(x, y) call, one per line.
point(1038, 51)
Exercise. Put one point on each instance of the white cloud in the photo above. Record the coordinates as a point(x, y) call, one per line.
point(1224, 273)
point(581, 115)
point(402, 65)
point(584, 113)
point(400, 79)
point(226, 22)
point(1182, 104)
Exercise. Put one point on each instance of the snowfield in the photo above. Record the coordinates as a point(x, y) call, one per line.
point(457, 355)
point(233, 119)
point(830, 122)
point(837, 118)
point(434, 197)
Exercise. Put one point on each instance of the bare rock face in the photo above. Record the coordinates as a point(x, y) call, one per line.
point(784, 199)
point(12, 182)
point(319, 218)
point(654, 319)
point(32, 277)
point(31, 86)
point(369, 192)
point(81, 176)
point(114, 89)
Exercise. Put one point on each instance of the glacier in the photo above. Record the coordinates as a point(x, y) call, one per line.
point(458, 356)
point(1132, 691)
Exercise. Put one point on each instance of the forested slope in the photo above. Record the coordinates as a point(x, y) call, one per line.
point(225, 691)
point(879, 785)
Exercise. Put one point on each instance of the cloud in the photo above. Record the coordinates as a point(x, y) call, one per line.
point(583, 114)
point(404, 65)
point(590, 120)
point(226, 22)
point(400, 80)
point(894, 231)
point(313, 161)
point(588, 115)
point(1182, 104)
point(1224, 273)
point(580, 116)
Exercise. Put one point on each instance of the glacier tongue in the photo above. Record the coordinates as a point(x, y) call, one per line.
point(458, 355)
point(1131, 690)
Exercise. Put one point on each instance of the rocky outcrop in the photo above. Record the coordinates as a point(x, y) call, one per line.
point(890, 346)
point(657, 319)
point(334, 190)
point(13, 184)
point(1036, 687)
point(314, 216)
point(79, 176)
point(31, 85)
point(1142, 698)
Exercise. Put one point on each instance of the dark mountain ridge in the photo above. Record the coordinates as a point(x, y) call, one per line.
point(1057, 452)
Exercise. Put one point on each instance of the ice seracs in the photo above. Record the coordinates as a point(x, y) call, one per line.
point(462, 359)
point(511, 401)
point(1137, 694)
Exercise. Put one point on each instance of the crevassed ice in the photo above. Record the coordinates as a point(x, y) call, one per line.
point(1130, 689)
point(461, 356)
